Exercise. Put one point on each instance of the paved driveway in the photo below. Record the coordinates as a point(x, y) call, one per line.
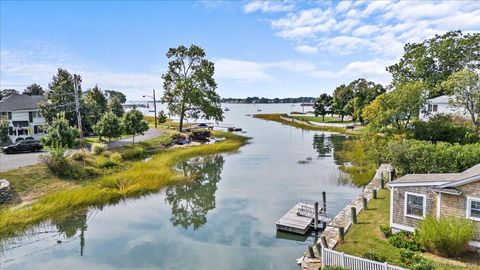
point(13, 161)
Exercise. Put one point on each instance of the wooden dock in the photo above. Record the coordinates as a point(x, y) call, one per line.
point(300, 218)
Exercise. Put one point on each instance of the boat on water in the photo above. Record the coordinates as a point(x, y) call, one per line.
point(226, 109)
point(259, 110)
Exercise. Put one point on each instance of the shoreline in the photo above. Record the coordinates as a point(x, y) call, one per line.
point(141, 178)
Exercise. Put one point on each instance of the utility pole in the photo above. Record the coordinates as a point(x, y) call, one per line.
point(155, 107)
point(76, 83)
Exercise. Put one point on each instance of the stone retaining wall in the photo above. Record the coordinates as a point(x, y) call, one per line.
point(344, 219)
point(6, 193)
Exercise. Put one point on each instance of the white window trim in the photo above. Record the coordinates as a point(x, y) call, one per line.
point(469, 207)
point(424, 205)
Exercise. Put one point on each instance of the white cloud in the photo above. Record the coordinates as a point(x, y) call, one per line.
point(306, 49)
point(377, 28)
point(246, 71)
point(267, 6)
point(371, 70)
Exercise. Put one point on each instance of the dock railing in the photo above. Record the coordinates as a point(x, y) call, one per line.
point(340, 259)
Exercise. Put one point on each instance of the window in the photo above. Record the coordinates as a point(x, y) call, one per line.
point(429, 107)
point(22, 131)
point(415, 205)
point(435, 108)
point(473, 208)
point(38, 129)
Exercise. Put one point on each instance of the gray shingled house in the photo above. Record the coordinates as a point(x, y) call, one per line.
point(415, 196)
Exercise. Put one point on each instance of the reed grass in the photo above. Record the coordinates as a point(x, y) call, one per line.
point(276, 117)
point(139, 179)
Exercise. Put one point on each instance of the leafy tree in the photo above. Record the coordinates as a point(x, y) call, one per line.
point(323, 105)
point(189, 85)
point(61, 98)
point(466, 89)
point(364, 92)
point(34, 90)
point(162, 117)
point(115, 106)
point(119, 95)
point(95, 104)
point(7, 92)
point(434, 60)
point(60, 133)
point(396, 108)
point(133, 123)
point(4, 138)
point(441, 127)
point(341, 100)
point(109, 126)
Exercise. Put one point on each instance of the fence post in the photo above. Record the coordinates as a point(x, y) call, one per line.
point(323, 240)
point(364, 201)
point(374, 193)
point(385, 266)
point(382, 183)
point(354, 215)
point(343, 259)
point(323, 257)
point(341, 233)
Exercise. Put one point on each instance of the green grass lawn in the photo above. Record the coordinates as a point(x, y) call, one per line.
point(328, 119)
point(276, 118)
point(366, 236)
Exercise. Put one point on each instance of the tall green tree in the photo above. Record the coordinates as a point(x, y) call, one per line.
point(34, 90)
point(61, 98)
point(466, 89)
point(434, 60)
point(396, 109)
point(341, 101)
point(119, 95)
point(364, 92)
point(7, 92)
point(61, 133)
point(189, 85)
point(95, 105)
point(323, 105)
point(133, 123)
point(109, 126)
point(115, 106)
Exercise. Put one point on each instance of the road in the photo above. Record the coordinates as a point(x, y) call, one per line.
point(14, 161)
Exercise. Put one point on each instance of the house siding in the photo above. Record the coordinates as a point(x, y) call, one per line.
point(399, 217)
point(457, 205)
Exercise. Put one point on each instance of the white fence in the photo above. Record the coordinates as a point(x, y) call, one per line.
point(335, 258)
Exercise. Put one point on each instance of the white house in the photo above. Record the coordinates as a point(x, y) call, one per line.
point(23, 116)
point(442, 105)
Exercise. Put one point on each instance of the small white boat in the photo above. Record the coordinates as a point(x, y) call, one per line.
point(226, 109)
point(259, 110)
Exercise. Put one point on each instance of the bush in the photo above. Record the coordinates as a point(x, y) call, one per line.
point(106, 162)
point(134, 152)
point(116, 157)
point(447, 236)
point(441, 127)
point(60, 165)
point(91, 171)
point(98, 148)
point(404, 240)
point(386, 230)
point(374, 257)
point(414, 261)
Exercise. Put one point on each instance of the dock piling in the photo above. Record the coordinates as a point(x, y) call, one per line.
point(324, 201)
point(323, 240)
point(316, 216)
point(374, 193)
point(310, 252)
point(364, 201)
point(341, 233)
point(354, 215)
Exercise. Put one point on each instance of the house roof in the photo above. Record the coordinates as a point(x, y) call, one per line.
point(440, 99)
point(20, 102)
point(439, 179)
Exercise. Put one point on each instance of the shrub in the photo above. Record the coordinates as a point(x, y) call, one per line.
point(386, 230)
point(404, 240)
point(441, 127)
point(106, 162)
point(414, 260)
point(98, 148)
point(374, 257)
point(76, 155)
point(56, 160)
point(447, 236)
point(91, 171)
point(116, 157)
point(134, 152)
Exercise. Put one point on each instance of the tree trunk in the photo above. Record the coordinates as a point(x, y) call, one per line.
point(180, 126)
point(342, 117)
point(133, 138)
point(323, 118)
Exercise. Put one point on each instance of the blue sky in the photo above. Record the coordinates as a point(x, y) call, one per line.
point(262, 48)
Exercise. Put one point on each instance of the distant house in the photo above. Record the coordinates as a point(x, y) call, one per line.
point(23, 116)
point(415, 196)
point(439, 105)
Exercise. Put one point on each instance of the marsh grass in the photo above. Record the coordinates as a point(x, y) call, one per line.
point(276, 118)
point(139, 179)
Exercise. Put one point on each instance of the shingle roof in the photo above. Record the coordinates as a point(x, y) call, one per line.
point(439, 177)
point(20, 102)
point(440, 99)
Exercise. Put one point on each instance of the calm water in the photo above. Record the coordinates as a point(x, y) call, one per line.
point(225, 220)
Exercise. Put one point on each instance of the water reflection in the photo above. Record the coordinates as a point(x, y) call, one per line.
point(191, 202)
point(70, 226)
point(323, 144)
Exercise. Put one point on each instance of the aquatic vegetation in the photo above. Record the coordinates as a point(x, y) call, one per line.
point(139, 179)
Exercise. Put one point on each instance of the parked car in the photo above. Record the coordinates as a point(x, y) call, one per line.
point(23, 146)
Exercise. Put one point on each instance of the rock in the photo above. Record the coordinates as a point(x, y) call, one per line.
point(6, 193)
